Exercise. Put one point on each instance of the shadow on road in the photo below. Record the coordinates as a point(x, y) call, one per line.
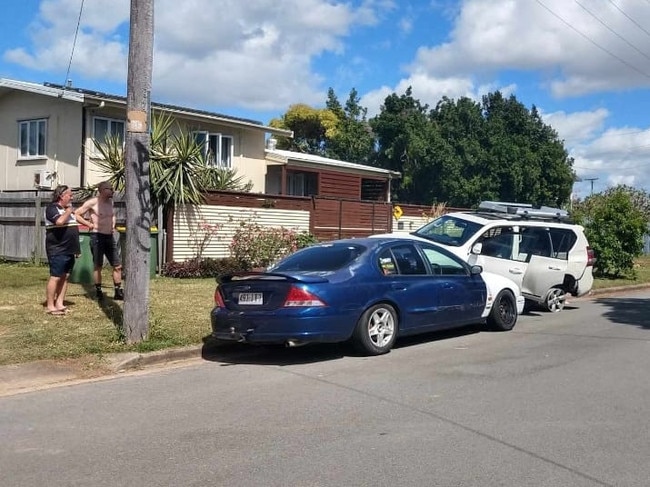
point(242, 353)
point(627, 311)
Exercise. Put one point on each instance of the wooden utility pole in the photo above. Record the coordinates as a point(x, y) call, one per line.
point(136, 165)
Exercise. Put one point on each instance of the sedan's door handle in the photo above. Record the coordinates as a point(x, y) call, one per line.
point(398, 287)
point(515, 270)
point(554, 268)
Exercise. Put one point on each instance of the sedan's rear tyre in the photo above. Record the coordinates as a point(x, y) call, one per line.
point(555, 300)
point(376, 330)
point(503, 316)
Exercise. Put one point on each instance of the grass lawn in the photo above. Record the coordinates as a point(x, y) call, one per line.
point(179, 315)
point(642, 276)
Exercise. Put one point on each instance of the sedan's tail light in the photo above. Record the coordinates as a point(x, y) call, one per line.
point(218, 299)
point(300, 297)
point(591, 256)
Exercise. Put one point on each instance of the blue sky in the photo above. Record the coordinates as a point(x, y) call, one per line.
point(585, 64)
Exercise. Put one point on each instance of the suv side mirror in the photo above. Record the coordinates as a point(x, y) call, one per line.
point(477, 248)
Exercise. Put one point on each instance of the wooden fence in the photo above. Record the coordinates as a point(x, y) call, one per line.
point(22, 224)
point(22, 230)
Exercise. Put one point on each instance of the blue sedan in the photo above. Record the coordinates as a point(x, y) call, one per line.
point(369, 290)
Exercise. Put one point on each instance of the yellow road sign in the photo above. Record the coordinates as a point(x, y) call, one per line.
point(397, 212)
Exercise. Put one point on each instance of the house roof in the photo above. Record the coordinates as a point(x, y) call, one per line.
point(82, 96)
point(285, 157)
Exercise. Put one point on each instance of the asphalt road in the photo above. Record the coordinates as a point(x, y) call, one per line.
point(562, 400)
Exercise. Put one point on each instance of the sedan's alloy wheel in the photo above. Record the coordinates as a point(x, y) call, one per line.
point(376, 330)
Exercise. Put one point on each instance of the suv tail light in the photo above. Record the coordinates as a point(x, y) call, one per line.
point(218, 299)
point(300, 297)
point(591, 256)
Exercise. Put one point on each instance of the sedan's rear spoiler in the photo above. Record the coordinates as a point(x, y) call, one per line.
point(271, 276)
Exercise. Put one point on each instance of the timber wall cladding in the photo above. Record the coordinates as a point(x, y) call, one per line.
point(188, 221)
point(338, 218)
point(338, 184)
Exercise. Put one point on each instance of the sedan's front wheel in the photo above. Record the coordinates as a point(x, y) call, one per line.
point(376, 330)
point(503, 316)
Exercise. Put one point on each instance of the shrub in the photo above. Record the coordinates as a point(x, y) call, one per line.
point(615, 229)
point(202, 267)
point(255, 246)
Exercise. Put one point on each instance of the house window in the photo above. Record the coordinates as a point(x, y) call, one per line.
point(105, 128)
point(373, 190)
point(32, 138)
point(218, 149)
point(302, 183)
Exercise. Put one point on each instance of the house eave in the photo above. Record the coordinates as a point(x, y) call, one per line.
point(39, 89)
point(289, 158)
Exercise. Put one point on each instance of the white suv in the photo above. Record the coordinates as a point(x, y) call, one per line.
point(537, 248)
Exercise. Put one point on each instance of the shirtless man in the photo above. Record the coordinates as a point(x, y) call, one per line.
point(98, 215)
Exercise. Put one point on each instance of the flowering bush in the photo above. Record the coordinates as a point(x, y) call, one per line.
point(201, 237)
point(255, 246)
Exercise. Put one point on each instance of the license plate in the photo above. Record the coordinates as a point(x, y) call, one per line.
point(250, 298)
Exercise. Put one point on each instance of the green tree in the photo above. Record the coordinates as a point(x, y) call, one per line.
point(407, 142)
point(179, 173)
point(351, 139)
point(462, 152)
point(614, 226)
point(310, 126)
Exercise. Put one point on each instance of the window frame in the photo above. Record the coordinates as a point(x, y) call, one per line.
point(109, 129)
point(40, 152)
point(219, 139)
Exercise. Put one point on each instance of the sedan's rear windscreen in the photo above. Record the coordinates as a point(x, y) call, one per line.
point(324, 257)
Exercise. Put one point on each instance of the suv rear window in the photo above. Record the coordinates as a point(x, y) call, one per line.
point(448, 230)
point(326, 257)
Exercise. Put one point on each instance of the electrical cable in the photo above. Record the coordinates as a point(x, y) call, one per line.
point(74, 43)
point(585, 36)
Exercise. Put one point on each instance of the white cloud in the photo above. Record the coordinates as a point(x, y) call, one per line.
point(562, 39)
point(253, 55)
point(577, 127)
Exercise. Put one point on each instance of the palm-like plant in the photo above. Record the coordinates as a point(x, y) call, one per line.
point(176, 160)
point(178, 171)
point(223, 178)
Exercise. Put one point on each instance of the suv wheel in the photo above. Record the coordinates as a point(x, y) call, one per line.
point(555, 299)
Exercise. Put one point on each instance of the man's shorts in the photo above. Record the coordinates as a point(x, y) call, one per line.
point(61, 264)
point(102, 245)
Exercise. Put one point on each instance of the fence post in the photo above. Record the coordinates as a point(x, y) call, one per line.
point(38, 229)
point(340, 216)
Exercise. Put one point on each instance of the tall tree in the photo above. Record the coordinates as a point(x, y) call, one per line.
point(138, 201)
point(310, 128)
point(463, 152)
point(405, 143)
point(351, 139)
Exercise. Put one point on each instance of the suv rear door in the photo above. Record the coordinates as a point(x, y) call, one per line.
point(542, 269)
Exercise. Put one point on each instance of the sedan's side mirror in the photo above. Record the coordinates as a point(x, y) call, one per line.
point(477, 248)
point(476, 269)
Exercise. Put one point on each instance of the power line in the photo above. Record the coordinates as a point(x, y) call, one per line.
point(612, 30)
point(585, 36)
point(74, 43)
point(629, 18)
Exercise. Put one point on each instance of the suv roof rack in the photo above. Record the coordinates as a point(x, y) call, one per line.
point(524, 211)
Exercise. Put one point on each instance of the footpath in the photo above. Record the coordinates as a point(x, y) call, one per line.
point(45, 374)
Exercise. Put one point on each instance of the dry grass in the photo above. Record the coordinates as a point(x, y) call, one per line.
point(179, 315)
point(641, 276)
